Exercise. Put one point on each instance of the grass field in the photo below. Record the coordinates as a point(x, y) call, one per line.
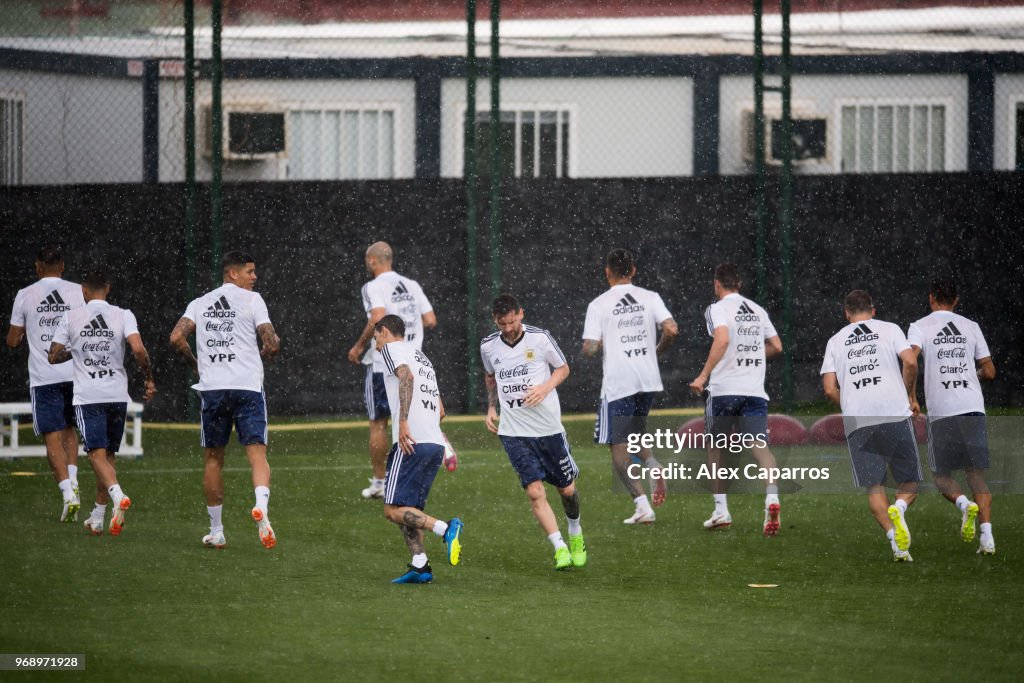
point(665, 602)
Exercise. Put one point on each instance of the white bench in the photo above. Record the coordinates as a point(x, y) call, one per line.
point(10, 447)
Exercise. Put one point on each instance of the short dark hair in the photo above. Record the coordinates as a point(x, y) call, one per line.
point(505, 304)
point(944, 291)
point(620, 262)
point(392, 323)
point(728, 275)
point(858, 301)
point(50, 255)
point(95, 280)
point(235, 258)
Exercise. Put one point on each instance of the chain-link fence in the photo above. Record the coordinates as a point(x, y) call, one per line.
point(93, 91)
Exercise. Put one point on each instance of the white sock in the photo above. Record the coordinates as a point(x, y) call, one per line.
point(574, 526)
point(98, 512)
point(116, 494)
point(440, 527)
point(771, 497)
point(216, 522)
point(642, 503)
point(962, 503)
point(986, 528)
point(556, 540)
point(65, 489)
point(377, 483)
point(262, 498)
point(891, 535)
point(652, 463)
point(720, 504)
point(73, 475)
point(902, 505)
point(419, 560)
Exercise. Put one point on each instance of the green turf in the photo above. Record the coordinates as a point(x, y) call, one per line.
point(666, 602)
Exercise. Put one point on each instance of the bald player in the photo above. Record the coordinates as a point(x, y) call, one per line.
point(388, 293)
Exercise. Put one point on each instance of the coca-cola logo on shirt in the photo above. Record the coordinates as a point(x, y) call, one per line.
point(518, 371)
point(868, 350)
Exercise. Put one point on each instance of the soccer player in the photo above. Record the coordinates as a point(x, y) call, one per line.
point(417, 446)
point(388, 293)
point(38, 310)
point(93, 338)
point(518, 361)
point(624, 322)
point(227, 323)
point(861, 374)
point(732, 382)
point(956, 408)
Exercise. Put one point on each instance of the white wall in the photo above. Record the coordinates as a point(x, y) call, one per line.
point(78, 129)
point(283, 94)
point(1009, 91)
point(619, 127)
point(819, 96)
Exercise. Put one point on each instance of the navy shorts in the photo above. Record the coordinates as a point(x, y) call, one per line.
point(101, 425)
point(221, 408)
point(376, 396)
point(52, 410)
point(617, 419)
point(740, 414)
point(890, 444)
point(541, 458)
point(958, 443)
point(410, 475)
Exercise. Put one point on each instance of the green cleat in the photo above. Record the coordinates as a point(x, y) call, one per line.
point(578, 550)
point(563, 560)
point(900, 528)
point(967, 522)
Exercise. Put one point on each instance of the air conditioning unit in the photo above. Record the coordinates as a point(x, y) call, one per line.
point(809, 135)
point(252, 132)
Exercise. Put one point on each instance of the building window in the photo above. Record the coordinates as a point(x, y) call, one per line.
point(534, 143)
point(12, 139)
point(341, 144)
point(1019, 136)
point(892, 138)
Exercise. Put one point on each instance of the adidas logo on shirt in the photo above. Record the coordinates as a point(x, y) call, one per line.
point(97, 328)
point(220, 309)
point(861, 333)
point(627, 304)
point(401, 293)
point(949, 335)
point(52, 304)
point(745, 314)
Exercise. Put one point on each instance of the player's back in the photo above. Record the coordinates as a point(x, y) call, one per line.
point(741, 370)
point(865, 357)
point(401, 296)
point(424, 407)
point(226, 345)
point(625, 320)
point(950, 343)
point(95, 336)
point(39, 309)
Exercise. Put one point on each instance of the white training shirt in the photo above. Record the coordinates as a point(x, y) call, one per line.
point(95, 334)
point(516, 369)
point(39, 308)
point(400, 296)
point(625, 320)
point(425, 407)
point(865, 358)
point(740, 372)
point(226, 348)
point(950, 343)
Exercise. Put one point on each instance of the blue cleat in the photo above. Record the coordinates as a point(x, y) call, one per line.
point(451, 539)
point(415, 575)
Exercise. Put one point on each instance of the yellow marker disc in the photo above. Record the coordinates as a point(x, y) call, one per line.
point(762, 585)
point(24, 474)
